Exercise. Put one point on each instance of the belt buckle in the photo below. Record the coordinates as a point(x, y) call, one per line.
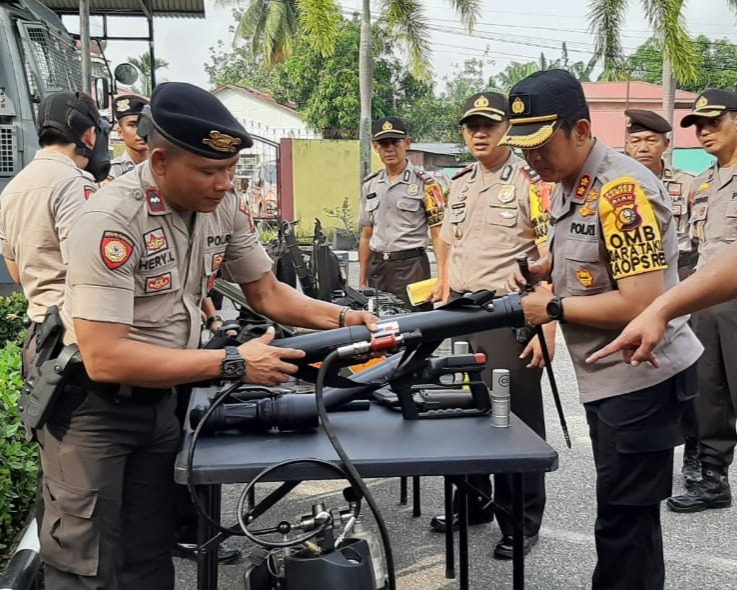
point(386, 255)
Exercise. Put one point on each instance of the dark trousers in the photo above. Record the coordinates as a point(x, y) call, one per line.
point(502, 352)
point(108, 488)
point(716, 404)
point(393, 276)
point(633, 436)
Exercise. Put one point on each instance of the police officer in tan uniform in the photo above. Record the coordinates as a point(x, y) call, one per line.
point(498, 211)
point(714, 225)
point(128, 108)
point(398, 205)
point(647, 141)
point(140, 258)
point(613, 248)
point(39, 207)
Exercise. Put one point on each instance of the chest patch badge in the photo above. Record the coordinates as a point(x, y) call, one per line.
point(507, 194)
point(413, 190)
point(585, 277)
point(586, 210)
point(159, 283)
point(155, 202)
point(674, 189)
point(115, 248)
point(155, 241)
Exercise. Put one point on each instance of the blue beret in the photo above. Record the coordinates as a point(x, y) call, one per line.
point(196, 121)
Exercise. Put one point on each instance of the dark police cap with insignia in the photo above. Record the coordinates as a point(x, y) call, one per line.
point(539, 103)
point(128, 104)
point(640, 120)
point(388, 128)
point(194, 120)
point(711, 104)
point(491, 105)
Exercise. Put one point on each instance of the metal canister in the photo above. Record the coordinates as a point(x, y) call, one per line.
point(500, 400)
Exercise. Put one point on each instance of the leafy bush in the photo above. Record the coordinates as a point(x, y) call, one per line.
point(12, 314)
point(18, 458)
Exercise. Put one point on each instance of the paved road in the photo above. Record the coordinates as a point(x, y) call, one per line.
point(700, 548)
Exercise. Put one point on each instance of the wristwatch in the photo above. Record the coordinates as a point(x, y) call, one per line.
point(234, 365)
point(554, 308)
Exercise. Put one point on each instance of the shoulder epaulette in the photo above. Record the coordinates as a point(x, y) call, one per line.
point(530, 173)
point(370, 176)
point(460, 173)
point(425, 177)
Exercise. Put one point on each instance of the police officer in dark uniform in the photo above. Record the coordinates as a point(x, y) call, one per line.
point(612, 250)
point(647, 141)
point(400, 206)
point(140, 259)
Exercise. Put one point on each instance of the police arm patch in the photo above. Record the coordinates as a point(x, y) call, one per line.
point(631, 230)
point(540, 211)
point(116, 248)
point(434, 204)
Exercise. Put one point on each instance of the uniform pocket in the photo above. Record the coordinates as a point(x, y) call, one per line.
point(70, 538)
point(586, 273)
point(501, 216)
point(410, 205)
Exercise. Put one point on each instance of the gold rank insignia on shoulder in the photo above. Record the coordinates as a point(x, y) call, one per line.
point(387, 126)
point(221, 142)
point(481, 102)
point(702, 102)
point(124, 104)
point(518, 106)
point(507, 194)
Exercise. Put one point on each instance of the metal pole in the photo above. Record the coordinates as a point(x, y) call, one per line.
point(84, 35)
point(151, 50)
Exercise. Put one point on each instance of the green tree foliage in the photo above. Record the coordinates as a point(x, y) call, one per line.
point(324, 88)
point(716, 64)
point(143, 63)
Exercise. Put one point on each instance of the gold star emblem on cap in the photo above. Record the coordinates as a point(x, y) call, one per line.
point(124, 104)
point(222, 142)
point(481, 102)
point(387, 126)
point(518, 107)
point(702, 102)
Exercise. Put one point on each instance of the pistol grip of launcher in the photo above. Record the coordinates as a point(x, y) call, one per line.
point(524, 268)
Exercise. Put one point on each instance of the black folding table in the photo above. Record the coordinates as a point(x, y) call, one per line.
point(381, 444)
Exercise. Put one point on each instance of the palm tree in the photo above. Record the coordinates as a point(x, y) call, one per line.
point(270, 26)
point(143, 63)
point(668, 23)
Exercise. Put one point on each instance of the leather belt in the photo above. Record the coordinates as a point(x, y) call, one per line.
point(116, 393)
point(401, 255)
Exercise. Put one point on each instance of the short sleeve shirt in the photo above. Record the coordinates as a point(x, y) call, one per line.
point(136, 261)
point(401, 212)
point(38, 208)
point(714, 211)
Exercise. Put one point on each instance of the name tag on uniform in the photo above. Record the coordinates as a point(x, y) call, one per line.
point(675, 189)
point(371, 196)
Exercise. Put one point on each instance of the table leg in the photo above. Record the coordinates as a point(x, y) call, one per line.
point(403, 490)
point(450, 568)
point(462, 491)
point(518, 524)
point(416, 502)
point(207, 561)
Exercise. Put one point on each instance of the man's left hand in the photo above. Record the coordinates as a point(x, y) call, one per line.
point(355, 317)
point(534, 304)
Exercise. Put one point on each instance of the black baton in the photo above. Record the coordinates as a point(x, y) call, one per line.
point(525, 270)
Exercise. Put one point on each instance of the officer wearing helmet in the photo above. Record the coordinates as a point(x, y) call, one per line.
point(140, 260)
point(40, 205)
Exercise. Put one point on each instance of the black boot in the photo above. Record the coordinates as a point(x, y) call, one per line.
point(691, 469)
point(712, 492)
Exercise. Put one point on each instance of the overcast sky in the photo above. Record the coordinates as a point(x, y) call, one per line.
point(510, 34)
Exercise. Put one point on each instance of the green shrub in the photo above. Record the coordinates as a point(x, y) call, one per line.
point(18, 458)
point(12, 314)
